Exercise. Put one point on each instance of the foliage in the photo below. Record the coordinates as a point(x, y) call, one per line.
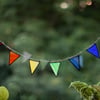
point(88, 92)
point(47, 31)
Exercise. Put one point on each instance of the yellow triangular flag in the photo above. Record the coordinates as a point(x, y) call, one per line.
point(33, 65)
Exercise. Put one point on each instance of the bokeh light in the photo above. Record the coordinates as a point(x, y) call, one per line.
point(64, 5)
point(89, 3)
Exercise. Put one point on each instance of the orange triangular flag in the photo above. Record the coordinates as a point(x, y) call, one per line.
point(12, 57)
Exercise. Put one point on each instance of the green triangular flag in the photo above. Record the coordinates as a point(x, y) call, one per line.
point(55, 67)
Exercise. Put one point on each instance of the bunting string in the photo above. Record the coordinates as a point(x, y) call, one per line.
point(59, 60)
point(76, 60)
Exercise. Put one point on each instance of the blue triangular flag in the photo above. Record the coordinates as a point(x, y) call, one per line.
point(76, 62)
point(93, 50)
point(81, 61)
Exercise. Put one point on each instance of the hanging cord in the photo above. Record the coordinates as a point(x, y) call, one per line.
point(59, 60)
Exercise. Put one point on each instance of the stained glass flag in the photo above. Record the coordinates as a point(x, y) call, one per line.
point(55, 67)
point(94, 50)
point(81, 61)
point(12, 57)
point(76, 61)
point(1, 43)
point(33, 65)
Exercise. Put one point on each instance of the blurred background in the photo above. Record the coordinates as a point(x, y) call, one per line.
point(48, 29)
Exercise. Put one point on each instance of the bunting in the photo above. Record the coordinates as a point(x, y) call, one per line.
point(94, 50)
point(0, 43)
point(81, 61)
point(76, 60)
point(13, 57)
point(33, 65)
point(55, 67)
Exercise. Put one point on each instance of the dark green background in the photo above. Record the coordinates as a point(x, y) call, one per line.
point(44, 29)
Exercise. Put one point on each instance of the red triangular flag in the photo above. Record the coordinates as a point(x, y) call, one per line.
point(1, 43)
point(12, 57)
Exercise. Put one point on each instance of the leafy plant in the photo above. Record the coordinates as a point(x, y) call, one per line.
point(87, 92)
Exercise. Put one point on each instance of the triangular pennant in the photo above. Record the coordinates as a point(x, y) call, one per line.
point(12, 57)
point(81, 61)
point(76, 62)
point(1, 43)
point(55, 67)
point(94, 50)
point(33, 65)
